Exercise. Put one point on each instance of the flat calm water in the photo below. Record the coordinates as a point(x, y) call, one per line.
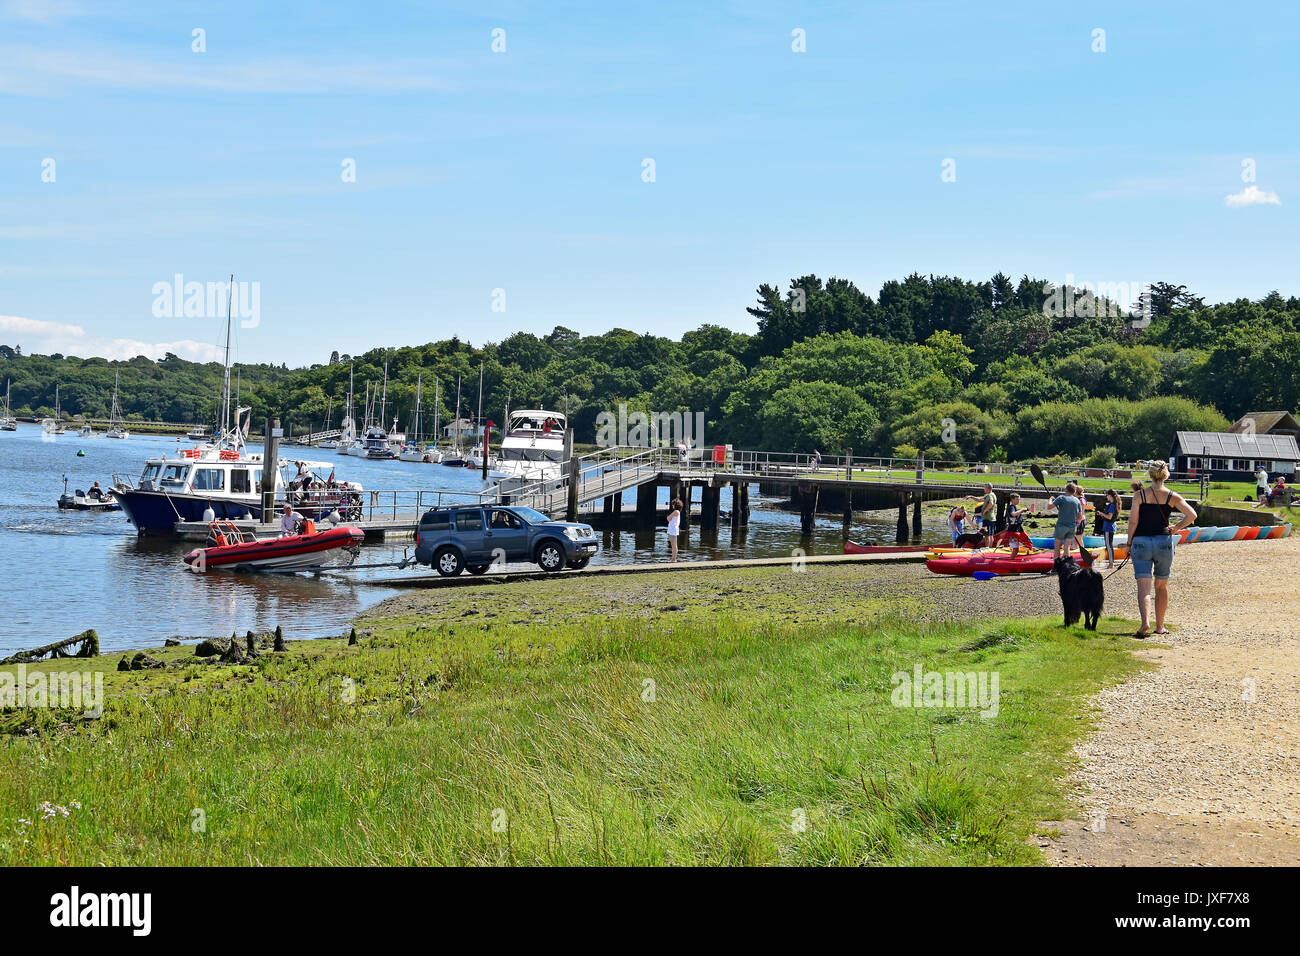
point(64, 571)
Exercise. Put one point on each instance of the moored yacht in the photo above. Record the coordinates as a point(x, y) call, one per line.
point(185, 486)
point(7, 421)
point(116, 429)
point(532, 448)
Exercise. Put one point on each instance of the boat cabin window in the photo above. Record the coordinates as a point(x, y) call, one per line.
point(239, 483)
point(436, 521)
point(469, 520)
point(209, 479)
point(505, 520)
point(174, 474)
point(150, 472)
point(533, 454)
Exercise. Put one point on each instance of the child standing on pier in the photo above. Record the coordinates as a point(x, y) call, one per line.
point(674, 527)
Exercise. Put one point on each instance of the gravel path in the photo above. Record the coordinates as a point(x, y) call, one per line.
point(1197, 761)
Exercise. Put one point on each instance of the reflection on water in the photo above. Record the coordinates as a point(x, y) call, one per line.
point(62, 572)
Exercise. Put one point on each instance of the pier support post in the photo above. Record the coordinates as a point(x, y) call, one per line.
point(618, 504)
point(710, 504)
point(901, 534)
point(647, 496)
point(916, 517)
point(572, 466)
point(607, 506)
point(270, 461)
point(735, 505)
point(848, 509)
point(744, 503)
point(807, 508)
point(687, 489)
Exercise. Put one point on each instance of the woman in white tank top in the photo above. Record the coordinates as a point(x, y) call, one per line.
point(674, 526)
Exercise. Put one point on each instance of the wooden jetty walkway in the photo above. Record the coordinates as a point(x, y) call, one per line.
point(594, 485)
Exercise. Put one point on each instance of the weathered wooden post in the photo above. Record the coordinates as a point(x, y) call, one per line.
point(900, 535)
point(647, 497)
point(571, 467)
point(848, 465)
point(916, 516)
point(270, 467)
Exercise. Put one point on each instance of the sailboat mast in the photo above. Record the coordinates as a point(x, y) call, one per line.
point(383, 402)
point(455, 421)
point(478, 415)
point(437, 408)
point(225, 397)
point(419, 395)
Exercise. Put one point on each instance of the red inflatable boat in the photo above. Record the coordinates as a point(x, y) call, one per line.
point(237, 549)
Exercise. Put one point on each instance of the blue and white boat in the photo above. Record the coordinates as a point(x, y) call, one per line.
point(227, 482)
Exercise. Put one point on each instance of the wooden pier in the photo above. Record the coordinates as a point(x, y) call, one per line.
point(594, 487)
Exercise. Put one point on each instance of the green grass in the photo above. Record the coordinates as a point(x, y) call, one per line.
point(408, 747)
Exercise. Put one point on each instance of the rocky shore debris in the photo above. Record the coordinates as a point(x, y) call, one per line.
point(86, 644)
point(140, 662)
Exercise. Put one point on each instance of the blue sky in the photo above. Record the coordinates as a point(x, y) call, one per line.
point(522, 170)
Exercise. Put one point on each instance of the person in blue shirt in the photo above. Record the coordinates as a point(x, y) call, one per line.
point(1110, 515)
point(1068, 511)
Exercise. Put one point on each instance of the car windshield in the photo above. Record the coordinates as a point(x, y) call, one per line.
point(531, 516)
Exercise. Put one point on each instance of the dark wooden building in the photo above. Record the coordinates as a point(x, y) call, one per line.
point(1230, 456)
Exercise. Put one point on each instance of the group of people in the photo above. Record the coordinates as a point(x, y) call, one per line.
point(1150, 540)
point(1279, 493)
point(1150, 536)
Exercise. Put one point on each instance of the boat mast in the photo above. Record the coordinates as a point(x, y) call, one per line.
point(455, 421)
point(478, 415)
point(225, 397)
point(419, 396)
point(437, 408)
point(383, 402)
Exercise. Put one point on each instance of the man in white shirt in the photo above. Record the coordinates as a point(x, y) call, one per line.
point(288, 522)
point(1261, 483)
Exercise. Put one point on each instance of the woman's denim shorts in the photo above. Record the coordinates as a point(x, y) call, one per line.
point(1152, 552)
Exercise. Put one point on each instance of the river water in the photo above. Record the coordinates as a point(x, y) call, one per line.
point(64, 571)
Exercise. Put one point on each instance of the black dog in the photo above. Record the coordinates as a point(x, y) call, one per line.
point(1081, 590)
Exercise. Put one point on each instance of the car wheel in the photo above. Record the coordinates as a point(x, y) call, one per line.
point(478, 568)
point(579, 564)
point(448, 562)
point(550, 556)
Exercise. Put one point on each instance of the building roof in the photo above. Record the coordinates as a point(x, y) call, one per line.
point(1266, 422)
point(1229, 445)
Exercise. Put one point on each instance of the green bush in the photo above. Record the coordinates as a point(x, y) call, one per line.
point(1103, 456)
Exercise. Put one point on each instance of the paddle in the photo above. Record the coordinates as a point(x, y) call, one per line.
point(984, 575)
point(1038, 474)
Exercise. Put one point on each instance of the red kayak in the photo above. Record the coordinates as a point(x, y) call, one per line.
point(1039, 563)
point(296, 552)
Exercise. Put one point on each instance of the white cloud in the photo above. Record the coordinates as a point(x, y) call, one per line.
point(42, 11)
point(1252, 196)
point(28, 71)
point(40, 336)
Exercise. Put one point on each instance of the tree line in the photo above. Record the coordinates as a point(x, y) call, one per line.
point(934, 364)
